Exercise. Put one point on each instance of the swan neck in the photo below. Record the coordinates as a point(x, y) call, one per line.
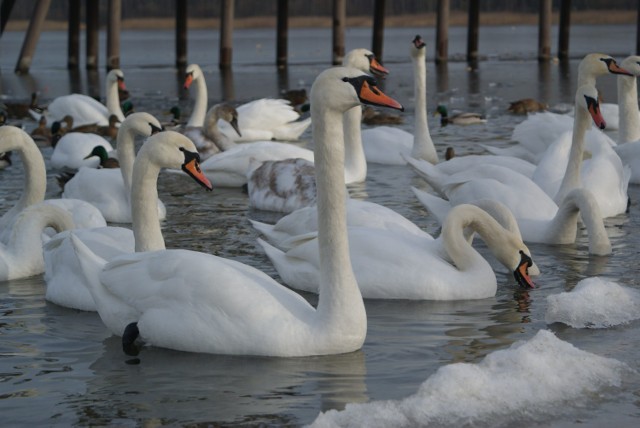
point(126, 154)
point(423, 147)
point(200, 108)
point(463, 255)
point(113, 100)
point(581, 202)
point(628, 108)
point(26, 235)
point(144, 206)
point(571, 178)
point(355, 162)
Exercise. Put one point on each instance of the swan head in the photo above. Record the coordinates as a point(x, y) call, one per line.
point(341, 88)
point(417, 47)
point(596, 64)
point(521, 273)
point(587, 99)
point(632, 64)
point(117, 76)
point(364, 60)
point(173, 150)
point(223, 111)
point(142, 124)
point(192, 73)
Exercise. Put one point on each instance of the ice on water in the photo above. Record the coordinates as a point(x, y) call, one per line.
point(529, 381)
point(594, 303)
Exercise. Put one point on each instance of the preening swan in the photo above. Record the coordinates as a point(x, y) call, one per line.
point(108, 189)
point(389, 145)
point(84, 109)
point(397, 265)
point(208, 139)
point(197, 302)
point(21, 256)
point(63, 273)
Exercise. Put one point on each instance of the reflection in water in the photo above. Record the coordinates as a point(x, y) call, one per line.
point(93, 84)
point(544, 81)
point(565, 86)
point(283, 79)
point(442, 77)
point(227, 88)
point(75, 83)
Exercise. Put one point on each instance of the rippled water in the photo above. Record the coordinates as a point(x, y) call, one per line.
point(61, 367)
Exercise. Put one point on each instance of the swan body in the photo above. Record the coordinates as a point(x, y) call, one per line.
point(395, 265)
point(72, 150)
point(21, 256)
point(629, 133)
point(63, 274)
point(86, 110)
point(208, 139)
point(108, 189)
point(197, 302)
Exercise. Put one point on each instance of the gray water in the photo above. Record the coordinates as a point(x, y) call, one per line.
point(62, 367)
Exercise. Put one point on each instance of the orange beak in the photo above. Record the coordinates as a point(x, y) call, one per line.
point(121, 85)
point(596, 115)
point(188, 80)
point(376, 68)
point(192, 167)
point(373, 95)
point(614, 68)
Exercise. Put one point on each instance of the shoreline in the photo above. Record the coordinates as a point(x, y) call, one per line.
point(456, 18)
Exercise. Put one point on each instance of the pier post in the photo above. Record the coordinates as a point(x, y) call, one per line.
point(113, 34)
point(378, 29)
point(339, 24)
point(564, 28)
point(544, 31)
point(472, 32)
point(92, 28)
point(73, 35)
point(442, 32)
point(638, 32)
point(33, 34)
point(181, 33)
point(5, 12)
point(226, 33)
point(282, 33)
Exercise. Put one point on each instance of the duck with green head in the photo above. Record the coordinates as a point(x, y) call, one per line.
point(105, 160)
point(459, 118)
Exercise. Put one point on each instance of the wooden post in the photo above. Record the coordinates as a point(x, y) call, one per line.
point(472, 32)
point(282, 33)
point(638, 32)
point(113, 34)
point(226, 33)
point(33, 34)
point(378, 29)
point(544, 31)
point(339, 24)
point(92, 27)
point(73, 35)
point(442, 32)
point(181, 34)
point(563, 31)
point(5, 12)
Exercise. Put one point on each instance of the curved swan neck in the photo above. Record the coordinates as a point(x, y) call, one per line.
point(628, 107)
point(26, 236)
point(355, 162)
point(571, 178)
point(144, 206)
point(463, 255)
point(339, 291)
point(423, 147)
point(211, 131)
point(113, 100)
point(200, 108)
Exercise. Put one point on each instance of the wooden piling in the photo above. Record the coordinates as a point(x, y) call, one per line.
point(32, 36)
point(564, 28)
point(226, 33)
point(282, 31)
point(544, 31)
point(92, 22)
point(5, 12)
point(442, 32)
point(339, 24)
point(472, 32)
point(378, 29)
point(73, 35)
point(113, 34)
point(181, 34)
point(638, 32)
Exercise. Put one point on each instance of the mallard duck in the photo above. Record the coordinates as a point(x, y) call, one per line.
point(449, 153)
point(103, 155)
point(371, 116)
point(526, 105)
point(42, 134)
point(20, 110)
point(458, 118)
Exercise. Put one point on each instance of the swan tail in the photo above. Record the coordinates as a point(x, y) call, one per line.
point(437, 206)
point(292, 130)
point(90, 263)
point(295, 272)
point(429, 173)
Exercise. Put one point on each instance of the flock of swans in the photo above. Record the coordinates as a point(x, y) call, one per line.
point(557, 177)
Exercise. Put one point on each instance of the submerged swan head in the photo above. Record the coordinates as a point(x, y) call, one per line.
point(117, 76)
point(417, 47)
point(587, 99)
point(364, 60)
point(596, 64)
point(192, 73)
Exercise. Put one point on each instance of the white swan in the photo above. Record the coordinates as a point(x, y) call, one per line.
point(197, 302)
point(389, 145)
point(538, 131)
point(86, 110)
point(263, 119)
point(35, 185)
point(209, 140)
point(21, 256)
point(289, 184)
point(108, 188)
point(72, 149)
point(628, 147)
point(63, 272)
point(395, 265)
